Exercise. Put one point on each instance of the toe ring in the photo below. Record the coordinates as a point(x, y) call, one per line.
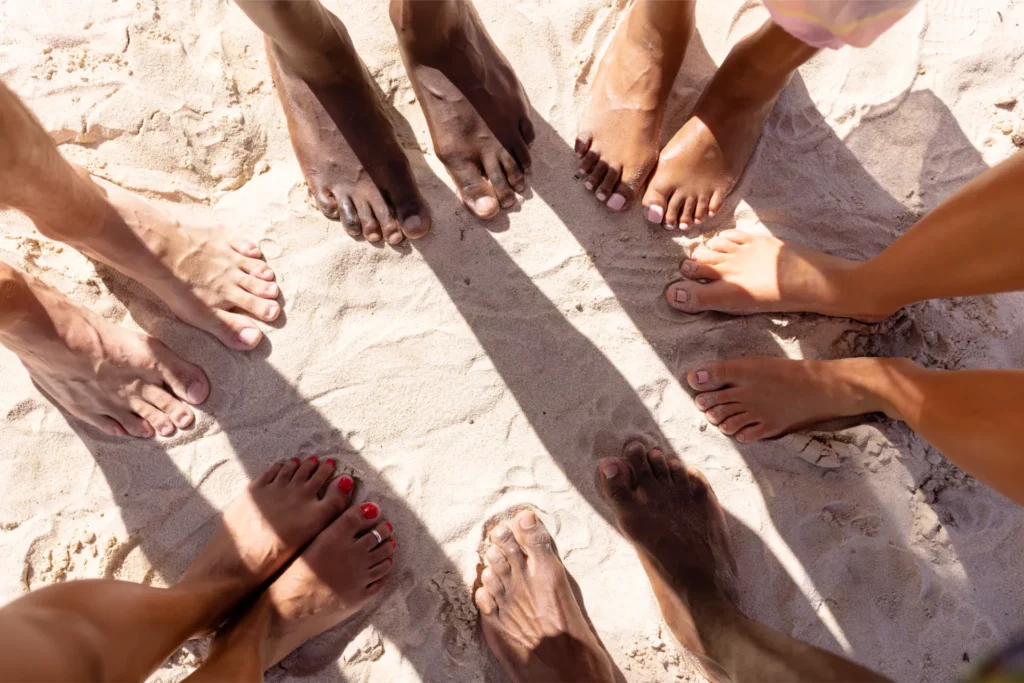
point(376, 534)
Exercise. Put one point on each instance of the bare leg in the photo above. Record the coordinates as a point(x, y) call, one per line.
point(201, 273)
point(673, 518)
point(530, 617)
point(477, 111)
point(333, 579)
point(748, 274)
point(118, 631)
point(971, 415)
point(705, 159)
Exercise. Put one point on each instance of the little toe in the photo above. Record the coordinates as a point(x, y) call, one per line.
point(723, 245)
point(176, 411)
point(245, 247)
point(706, 253)
point(696, 270)
point(616, 479)
point(521, 152)
point(583, 140)
point(496, 174)
point(752, 433)
point(492, 583)
point(737, 422)
point(736, 236)
point(134, 425)
point(607, 186)
point(485, 601)
point(156, 418)
point(383, 551)
point(513, 172)
point(377, 572)
point(526, 130)
point(270, 474)
point(710, 376)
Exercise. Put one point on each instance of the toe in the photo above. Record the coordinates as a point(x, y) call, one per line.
point(339, 492)
point(596, 175)
point(607, 186)
point(380, 570)
point(245, 247)
point(587, 163)
point(583, 140)
point(672, 210)
point(753, 433)
point(521, 152)
point(496, 175)
point(256, 268)
point(513, 172)
point(349, 216)
point(659, 464)
point(306, 469)
point(237, 331)
point(682, 296)
point(710, 399)
point(134, 425)
point(176, 411)
point(288, 469)
point(616, 479)
point(323, 472)
point(386, 220)
point(722, 412)
point(737, 422)
point(700, 211)
point(270, 475)
point(255, 306)
point(485, 601)
point(532, 535)
point(723, 245)
point(187, 381)
point(414, 215)
point(371, 229)
point(715, 203)
point(710, 376)
point(498, 563)
point(492, 583)
point(503, 538)
point(474, 190)
point(326, 202)
point(736, 236)
point(686, 212)
point(654, 203)
point(384, 550)
point(257, 286)
point(698, 270)
point(105, 424)
point(706, 253)
point(156, 418)
point(635, 453)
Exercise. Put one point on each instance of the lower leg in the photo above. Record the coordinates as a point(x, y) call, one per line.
point(673, 518)
point(237, 652)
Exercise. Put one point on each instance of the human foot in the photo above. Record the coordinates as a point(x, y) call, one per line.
point(704, 160)
point(121, 382)
point(761, 398)
point(202, 273)
point(742, 274)
point(528, 612)
point(475, 107)
point(620, 133)
point(672, 516)
point(276, 516)
point(343, 568)
point(350, 156)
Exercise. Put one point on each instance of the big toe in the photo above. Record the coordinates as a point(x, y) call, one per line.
point(415, 219)
point(532, 535)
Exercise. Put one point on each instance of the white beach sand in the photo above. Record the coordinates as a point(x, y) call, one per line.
point(489, 365)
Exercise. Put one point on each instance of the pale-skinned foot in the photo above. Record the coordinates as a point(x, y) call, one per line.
point(672, 517)
point(345, 143)
point(620, 132)
point(475, 107)
point(704, 160)
point(530, 617)
point(266, 526)
point(117, 380)
point(743, 274)
point(336, 576)
point(203, 274)
point(761, 398)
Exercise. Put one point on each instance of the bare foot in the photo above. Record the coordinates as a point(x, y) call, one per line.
point(704, 160)
point(761, 398)
point(346, 145)
point(530, 618)
point(742, 274)
point(620, 132)
point(475, 107)
point(264, 528)
point(672, 517)
point(119, 381)
point(342, 569)
point(202, 273)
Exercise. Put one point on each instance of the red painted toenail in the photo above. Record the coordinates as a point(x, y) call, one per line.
point(369, 510)
point(346, 484)
point(391, 560)
point(296, 461)
point(330, 462)
point(393, 544)
point(388, 525)
point(313, 459)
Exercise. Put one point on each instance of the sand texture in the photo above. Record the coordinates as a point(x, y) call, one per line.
point(490, 365)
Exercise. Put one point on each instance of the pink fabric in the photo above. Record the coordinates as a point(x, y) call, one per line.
point(836, 23)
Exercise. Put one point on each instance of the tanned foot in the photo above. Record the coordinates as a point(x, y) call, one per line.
point(761, 398)
point(331, 580)
point(202, 273)
point(350, 156)
point(705, 159)
point(265, 527)
point(119, 381)
point(742, 274)
point(475, 107)
point(672, 516)
point(530, 618)
point(620, 132)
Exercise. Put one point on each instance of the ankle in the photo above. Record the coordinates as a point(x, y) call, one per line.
point(425, 26)
point(14, 293)
point(249, 632)
point(760, 65)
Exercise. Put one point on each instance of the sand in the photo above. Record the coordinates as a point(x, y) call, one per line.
point(489, 365)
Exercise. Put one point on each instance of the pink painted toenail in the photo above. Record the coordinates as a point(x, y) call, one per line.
point(601, 196)
point(346, 484)
point(711, 214)
point(250, 336)
point(196, 392)
point(696, 221)
point(702, 376)
point(587, 184)
point(616, 202)
point(684, 226)
point(655, 213)
point(682, 296)
point(609, 470)
point(369, 510)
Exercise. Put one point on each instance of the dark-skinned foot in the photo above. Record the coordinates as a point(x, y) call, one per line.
point(673, 518)
point(528, 612)
point(620, 132)
point(475, 107)
point(345, 143)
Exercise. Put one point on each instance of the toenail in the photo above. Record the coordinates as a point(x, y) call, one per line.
point(601, 196)
point(395, 238)
point(296, 461)
point(393, 543)
point(272, 310)
point(681, 296)
point(412, 223)
point(313, 459)
point(702, 401)
point(485, 205)
point(696, 221)
point(741, 438)
point(494, 554)
point(183, 420)
point(369, 510)
point(249, 336)
point(346, 484)
point(329, 462)
point(391, 561)
point(373, 237)
point(196, 392)
point(587, 184)
point(702, 376)
point(616, 202)
point(655, 213)
point(528, 520)
point(609, 470)
point(502, 532)
point(711, 214)
point(689, 267)
point(684, 226)
point(388, 525)
point(272, 290)
point(167, 430)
